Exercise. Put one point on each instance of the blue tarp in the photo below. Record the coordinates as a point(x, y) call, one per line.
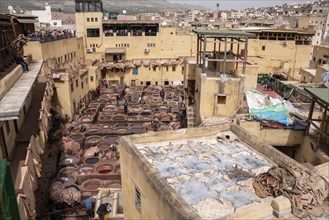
point(272, 113)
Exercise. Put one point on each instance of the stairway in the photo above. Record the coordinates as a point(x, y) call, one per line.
point(191, 116)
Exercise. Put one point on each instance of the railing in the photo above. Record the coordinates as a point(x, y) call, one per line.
point(150, 33)
point(44, 39)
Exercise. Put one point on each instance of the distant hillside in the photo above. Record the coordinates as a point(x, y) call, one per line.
point(131, 6)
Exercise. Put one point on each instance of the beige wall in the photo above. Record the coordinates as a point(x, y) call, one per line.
point(306, 154)
point(11, 134)
point(56, 54)
point(148, 74)
point(67, 98)
point(153, 203)
point(206, 99)
point(276, 137)
point(168, 44)
point(320, 56)
point(279, 58)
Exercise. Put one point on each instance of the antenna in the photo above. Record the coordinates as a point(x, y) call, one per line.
point(10, 8)
point(124, 11)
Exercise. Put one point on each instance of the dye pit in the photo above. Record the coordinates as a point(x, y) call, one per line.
point(213, 176)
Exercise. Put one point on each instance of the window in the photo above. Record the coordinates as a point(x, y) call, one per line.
point(96, 19)
point(88, 19)
point(166, 83)
point(156, 83)
point(91, 79)
point(142, 83)
point(72, 87)
point(92, 19)
point(314, 58)
point(92, 32)
point(82, 85)
point(138, 201)
point(173, 68)
point(7, 127)
point(76, 83)
point(167, 68)
point(319, 61)
point(148, 83)
point(263, 47)
point(154, 68)
point(221, 99)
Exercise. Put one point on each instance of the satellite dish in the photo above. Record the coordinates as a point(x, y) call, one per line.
point(124, 11)
point(10, 8)
point(14, 11)
point(21, 11)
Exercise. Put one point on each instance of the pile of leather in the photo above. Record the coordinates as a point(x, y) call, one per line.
point(304, 190)
point(70, 147)
point(59, 194)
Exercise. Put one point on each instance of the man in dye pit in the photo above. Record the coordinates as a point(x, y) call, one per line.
point(104, 209)
point(89, 203)
point(125, 106)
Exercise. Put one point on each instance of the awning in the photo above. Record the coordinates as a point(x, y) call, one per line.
point(27, 21)
point(115, 50)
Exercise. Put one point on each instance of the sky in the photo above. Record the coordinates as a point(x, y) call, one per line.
point(234, 4)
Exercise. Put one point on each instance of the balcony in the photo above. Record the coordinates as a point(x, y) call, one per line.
point(48, 37)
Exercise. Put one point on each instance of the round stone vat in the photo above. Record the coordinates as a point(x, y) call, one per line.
point(78, 137)
point(104, 118)
point(145, 118)
point(92, 140)
point(70, 160)
point(106, 131)
point(92, 160)
point(121, 125)
point(103, 146)
point(104, 169)
point(86, 119)
point(67, 170)
point(137, 130)
point(144, 113)
point(122, 130)
point(66, 180)
point(111, 138)
point(136, 125)
point(91, 185)
point(91, 110)
point(118, 117)
point(85, 170)
point(131, 118)
point(92, 131)
point(112, 184)
point(132, 114)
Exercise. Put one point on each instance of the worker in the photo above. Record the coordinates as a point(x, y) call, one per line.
point(104, 209)
point(89, 203)
point(125, 106)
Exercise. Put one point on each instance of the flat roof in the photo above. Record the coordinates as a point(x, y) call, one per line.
point(129, 22)
point(224, 33)
point(321, 94)
point(14, 100)
point(213, 177)
point(280, 31)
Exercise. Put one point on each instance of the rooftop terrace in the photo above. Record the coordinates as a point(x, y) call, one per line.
point(213, 175)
